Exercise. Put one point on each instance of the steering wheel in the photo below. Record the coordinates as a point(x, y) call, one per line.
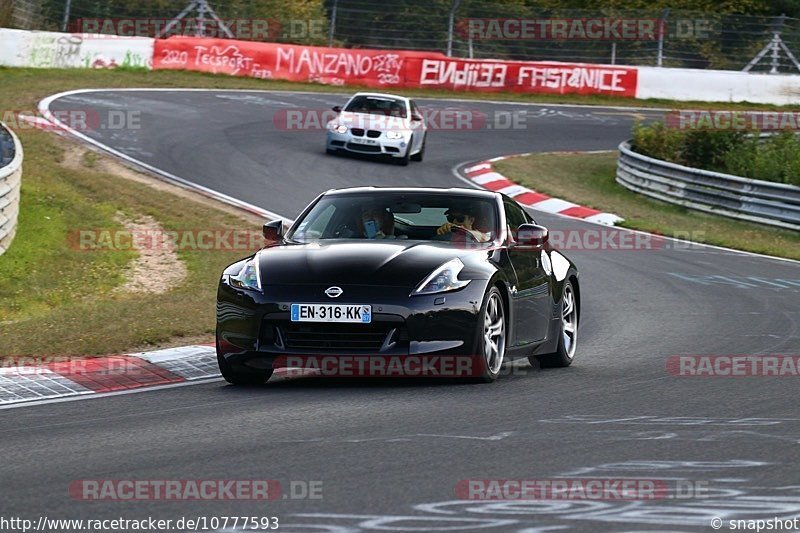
point(342, 231)
point(463, 231)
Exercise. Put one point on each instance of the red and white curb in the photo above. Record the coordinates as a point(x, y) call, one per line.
point(45, 378)
point(33, 380)
point(484, 175)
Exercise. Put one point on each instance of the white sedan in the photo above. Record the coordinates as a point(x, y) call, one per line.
point(379, 124)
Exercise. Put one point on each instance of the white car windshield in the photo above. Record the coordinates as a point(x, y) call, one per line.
point(375, 105)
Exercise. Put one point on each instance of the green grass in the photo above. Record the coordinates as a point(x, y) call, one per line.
point(588, 179)
point(58, 299)
point(40, 271)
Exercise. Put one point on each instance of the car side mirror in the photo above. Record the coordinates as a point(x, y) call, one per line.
point(416, 118)
point(532, 236)
point(273, 231)
point(337, 108)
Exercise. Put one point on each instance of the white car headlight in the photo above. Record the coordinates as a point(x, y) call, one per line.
point(248, 277)
point(394, 134)
point(443, 279)
point(338, 128)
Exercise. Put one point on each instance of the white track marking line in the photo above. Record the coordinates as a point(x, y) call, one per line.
point(107, 394)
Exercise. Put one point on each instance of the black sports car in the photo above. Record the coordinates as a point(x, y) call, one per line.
point(368, 280)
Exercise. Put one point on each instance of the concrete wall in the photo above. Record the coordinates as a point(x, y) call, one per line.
point(41, 49)
point(10, 179)
point(717, 86)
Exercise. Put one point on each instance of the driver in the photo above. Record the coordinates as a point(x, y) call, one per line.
point(460, 216)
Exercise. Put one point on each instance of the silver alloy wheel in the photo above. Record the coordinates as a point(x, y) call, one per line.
point(494, 333)
point(569, 314)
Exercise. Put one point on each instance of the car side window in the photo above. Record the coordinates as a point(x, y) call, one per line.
point(515, 216)
point(415, 109)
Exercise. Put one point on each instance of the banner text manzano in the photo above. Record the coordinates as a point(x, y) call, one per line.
point(389, 68)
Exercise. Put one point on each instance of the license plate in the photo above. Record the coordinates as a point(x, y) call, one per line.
point(361, 314)
point(359, 140)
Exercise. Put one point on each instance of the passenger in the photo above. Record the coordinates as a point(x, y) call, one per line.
point(377, 222)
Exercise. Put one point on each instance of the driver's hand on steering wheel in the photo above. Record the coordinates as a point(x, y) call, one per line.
point(450, 227)
point(447, 227)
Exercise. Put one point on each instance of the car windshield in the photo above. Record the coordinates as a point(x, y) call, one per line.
point(376, 105)
point(414, 216)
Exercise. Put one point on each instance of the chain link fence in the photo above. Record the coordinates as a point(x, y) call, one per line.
point(489, 30)
point(481, 29)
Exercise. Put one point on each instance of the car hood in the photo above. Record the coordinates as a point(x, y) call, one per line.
point(398, 263)
point(372, 122)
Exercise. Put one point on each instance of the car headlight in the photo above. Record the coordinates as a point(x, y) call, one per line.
point(248, 277)
point(338, 128)
point(394, 135)
point(443, 279)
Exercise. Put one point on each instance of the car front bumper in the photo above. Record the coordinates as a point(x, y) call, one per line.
point(368, 146)
point(254, 330)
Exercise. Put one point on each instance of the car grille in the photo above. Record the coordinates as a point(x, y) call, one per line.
point(358, 132)
point(373, 134)
point(372, 148)
point(336, 336)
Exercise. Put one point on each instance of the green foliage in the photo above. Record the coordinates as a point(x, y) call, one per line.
point(777, 159)
point(300, 21)
point(657, 141)
point(707, 149)
point(6, 12)
point(742, 153)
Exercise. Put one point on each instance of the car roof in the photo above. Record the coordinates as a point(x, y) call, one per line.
point(460, 191)
point(382, 95)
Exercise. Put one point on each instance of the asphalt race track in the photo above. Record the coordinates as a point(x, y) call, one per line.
point(390, 453)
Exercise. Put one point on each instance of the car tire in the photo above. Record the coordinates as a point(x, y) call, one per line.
point(403, 161)
point(239, 377)
point(492, 331)
point(421, 154)
point(568, 333)
point(331, 151)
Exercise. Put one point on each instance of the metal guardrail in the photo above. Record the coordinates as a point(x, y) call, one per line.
point(766, 202)
point(10, 179)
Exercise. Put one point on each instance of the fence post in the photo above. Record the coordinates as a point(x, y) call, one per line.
point(661, 26)
point(450, 24)
point(332, 25)
point(65, 22)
